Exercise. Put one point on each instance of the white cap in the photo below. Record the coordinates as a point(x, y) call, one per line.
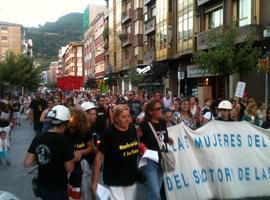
point(225, 104)
point(59, 114)
point(87, 106)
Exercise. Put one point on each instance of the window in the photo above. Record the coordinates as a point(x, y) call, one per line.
point(152, 11)
point(215, 18)
point(4, 38)
point(128, 29)
point(138, 3)
point(4, 29)
point(185, 26)
point(138, 27)
point(244, 12)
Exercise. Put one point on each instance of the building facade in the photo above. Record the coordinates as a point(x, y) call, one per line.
point(168, 33)
point(53, 72)
point(73, 60)
point(249, 17)
point(11, 38)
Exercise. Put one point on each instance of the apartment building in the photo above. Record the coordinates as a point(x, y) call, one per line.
point(172, 31)
point(249, 16)
point(90, 13)
point(94, 49)
point(11, 38)
point(53, 72)
point(72, 60)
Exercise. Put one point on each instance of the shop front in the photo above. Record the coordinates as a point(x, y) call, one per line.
point(199, 83)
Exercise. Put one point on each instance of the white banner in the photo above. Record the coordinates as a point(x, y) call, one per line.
point(221, 160)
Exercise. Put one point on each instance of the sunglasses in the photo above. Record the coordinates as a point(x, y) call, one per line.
point(157, 109)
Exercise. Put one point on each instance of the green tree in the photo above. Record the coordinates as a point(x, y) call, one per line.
point(224, 56)
point(18, 70)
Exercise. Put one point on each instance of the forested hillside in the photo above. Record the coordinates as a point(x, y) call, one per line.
point(47, 39)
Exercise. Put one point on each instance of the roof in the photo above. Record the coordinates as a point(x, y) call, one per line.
point(9, 23)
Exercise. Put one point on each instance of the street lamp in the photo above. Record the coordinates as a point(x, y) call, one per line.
point(266, 35)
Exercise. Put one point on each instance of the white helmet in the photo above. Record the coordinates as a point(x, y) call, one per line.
point(225, 104)
point(59, 114)
point(87, 106)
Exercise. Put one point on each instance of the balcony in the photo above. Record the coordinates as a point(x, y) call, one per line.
point(127, 16)
point(127, 40)
point(138, 40)
point(150, 26)
point(242, 33)
point(138, 14)
point(149, 56)
point(126, 64)
point(146, 2)
point(202, 38)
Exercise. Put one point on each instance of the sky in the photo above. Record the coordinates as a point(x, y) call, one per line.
point(31, 13)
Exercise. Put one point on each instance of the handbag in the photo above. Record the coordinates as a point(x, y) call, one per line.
point(167, 160)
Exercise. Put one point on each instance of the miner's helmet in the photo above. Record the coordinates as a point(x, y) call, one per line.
point(87, 106)
point(225, 105)
point(59, 114)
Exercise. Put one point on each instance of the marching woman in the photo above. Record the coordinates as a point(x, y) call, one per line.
point(119, 149)
point(186, 115)
point(82, 144)
point(44, 119)
point(153, 171)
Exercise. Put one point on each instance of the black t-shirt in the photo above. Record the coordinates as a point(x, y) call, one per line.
point(52, 150)
point(79, 142)
point(100, 125)
point(121, 150)
point(135, 109)
point(148, 137)
point(38, 106)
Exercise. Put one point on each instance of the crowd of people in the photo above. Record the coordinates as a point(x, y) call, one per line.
point(80, 134)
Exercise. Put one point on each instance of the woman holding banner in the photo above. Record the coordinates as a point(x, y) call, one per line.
point(185, 114)
point(152, 170)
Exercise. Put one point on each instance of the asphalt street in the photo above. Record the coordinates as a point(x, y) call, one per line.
point(14, 178)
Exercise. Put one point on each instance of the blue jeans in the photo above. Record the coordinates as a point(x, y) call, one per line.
point(154, 176)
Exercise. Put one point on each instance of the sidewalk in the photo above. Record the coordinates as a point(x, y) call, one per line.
point(13, 178)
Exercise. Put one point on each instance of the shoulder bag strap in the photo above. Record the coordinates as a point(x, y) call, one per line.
point(156, 136)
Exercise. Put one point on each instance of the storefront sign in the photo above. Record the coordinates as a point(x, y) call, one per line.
point(193, 71)
point(144, 69)
point(221, 160)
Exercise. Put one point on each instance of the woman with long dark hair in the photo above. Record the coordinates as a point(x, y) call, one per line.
point(185, 115)
point(77, 131)
point(153, 170)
